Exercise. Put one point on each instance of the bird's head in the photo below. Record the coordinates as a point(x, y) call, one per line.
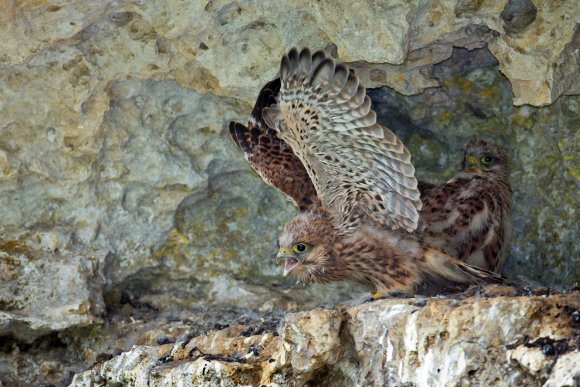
point(485, 159)
point(305, 245)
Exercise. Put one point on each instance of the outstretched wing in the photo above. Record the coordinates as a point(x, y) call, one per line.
point(267, 97)
point(269, 156)
point(361, 170)
point(275, 162)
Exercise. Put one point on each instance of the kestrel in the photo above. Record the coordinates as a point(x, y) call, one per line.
point(469, 217)
point(361, 224)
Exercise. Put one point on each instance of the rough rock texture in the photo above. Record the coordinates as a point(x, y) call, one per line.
point(121, 197)
point(529, 341)
point(74, 293)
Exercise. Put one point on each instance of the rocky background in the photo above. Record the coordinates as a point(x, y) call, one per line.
point(127, 217)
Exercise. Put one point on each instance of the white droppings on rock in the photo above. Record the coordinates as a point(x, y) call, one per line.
point(346, 351)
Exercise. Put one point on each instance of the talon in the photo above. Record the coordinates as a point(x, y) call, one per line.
point(377, 296)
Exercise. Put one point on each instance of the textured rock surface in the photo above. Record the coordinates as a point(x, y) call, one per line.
point(530, 341)
point(71, 286)
point(119, 188)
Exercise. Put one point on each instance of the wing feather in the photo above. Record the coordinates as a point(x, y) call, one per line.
point(360, 170)
point(270, 156)
point(275, 163)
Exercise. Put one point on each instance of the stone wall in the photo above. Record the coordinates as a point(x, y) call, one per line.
point(122, 198)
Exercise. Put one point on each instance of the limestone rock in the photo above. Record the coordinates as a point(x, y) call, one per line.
point(454, 343)
point(438, 342)
point(254, 35)
point(518, 14)
point(310, 343)
point(32, 279)
point(118, 181)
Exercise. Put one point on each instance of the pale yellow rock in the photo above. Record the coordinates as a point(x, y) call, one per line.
point(566, 371)
point(115, 161)
point(254, 35)
point(310, 341)
point(38, 298)
point(388, 342)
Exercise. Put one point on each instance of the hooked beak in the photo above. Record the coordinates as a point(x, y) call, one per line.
point(289, 261)
point(289, 264)
point(473, 163)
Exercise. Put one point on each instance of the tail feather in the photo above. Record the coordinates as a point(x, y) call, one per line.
point(445, 273)
point(478, 274)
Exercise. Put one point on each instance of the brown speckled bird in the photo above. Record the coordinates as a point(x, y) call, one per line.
point(469, 217)
point(360, 221)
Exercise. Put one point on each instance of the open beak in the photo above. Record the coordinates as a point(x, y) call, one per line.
point(289, 261)
point(289, 264)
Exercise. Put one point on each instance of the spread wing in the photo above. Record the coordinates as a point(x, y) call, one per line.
point(361, 170)
point(267, 97)
point(270, 157)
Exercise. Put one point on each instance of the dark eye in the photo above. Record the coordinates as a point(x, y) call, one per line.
point(487, 159)
point(300, 247)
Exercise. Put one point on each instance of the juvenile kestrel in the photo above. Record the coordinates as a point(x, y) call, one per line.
point(362, 224)
point(469, 217)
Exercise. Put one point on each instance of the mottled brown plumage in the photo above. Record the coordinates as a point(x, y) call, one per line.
point(363, 225)
point(469, 217)
point(270, 156)
point(382, 260)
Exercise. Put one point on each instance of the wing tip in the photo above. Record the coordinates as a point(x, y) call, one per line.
point(238, 134)
point(266, 98)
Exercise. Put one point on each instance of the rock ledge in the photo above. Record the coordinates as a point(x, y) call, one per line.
point(436, 341)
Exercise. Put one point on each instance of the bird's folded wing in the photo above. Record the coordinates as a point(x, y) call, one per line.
point(361, 170)
point(425, 188)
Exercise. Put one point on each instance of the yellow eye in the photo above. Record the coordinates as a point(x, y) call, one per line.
point(300, 248)
point(487, 160)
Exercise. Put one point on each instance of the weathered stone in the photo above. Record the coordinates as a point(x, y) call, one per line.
point(454, 342)
point(117, 176)
point(310, 343)
point(31, 279)
point(518, 14)
point(444, 342)
point(253, 36)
